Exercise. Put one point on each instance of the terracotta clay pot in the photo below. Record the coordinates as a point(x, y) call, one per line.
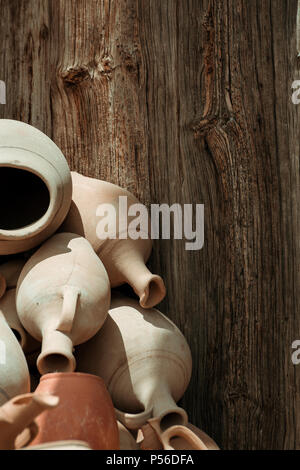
point(14, 374)
point(124, 258)
point(127, 441)
point(85, 412)
point(61, 445)
point(18, 413)
point(9, 310)
point(63, 297)
point(35, 183)
point(145, 362)
point(187, 437)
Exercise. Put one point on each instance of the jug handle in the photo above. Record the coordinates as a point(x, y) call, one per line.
point(178, 431)
point(133, 420)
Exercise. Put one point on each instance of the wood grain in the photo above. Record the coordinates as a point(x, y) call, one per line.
point(188, 102)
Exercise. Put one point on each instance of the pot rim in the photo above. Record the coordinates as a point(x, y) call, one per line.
point(17, 157)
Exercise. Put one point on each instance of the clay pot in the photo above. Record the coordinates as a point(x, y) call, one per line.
point(8, 309)
point(63, 297)
point(123, 258)
point(145, 362)
point(85, 412)
point(127, 441)
point(35, 183)
point(2, 285)
point(14, 374)
point(61, 445)
point(11, 271)
point(174, 438)
point(18, 413)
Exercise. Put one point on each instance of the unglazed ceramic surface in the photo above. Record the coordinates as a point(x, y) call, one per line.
point(14, 373)
point(9, 310)
point(127, 441)
point(19, 413)
point(85, 412)
point(36, 187)
point(63, 297)
point(145, 362)
point(123, 258)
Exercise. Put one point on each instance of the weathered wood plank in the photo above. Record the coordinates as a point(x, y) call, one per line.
point(188, 102)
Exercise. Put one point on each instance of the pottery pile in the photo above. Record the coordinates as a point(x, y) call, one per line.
point(81, 366)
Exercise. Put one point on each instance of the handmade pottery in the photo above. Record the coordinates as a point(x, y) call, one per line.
point(60, 445)
point(8, 308)
point(11, 271)
point(2, 285)
point(85, 411)
point(145, 362)
point(14, 374)
point(123, 257)
point(189, 440)
point(127, 441)
point(18, 413)
point(187, 437)
point(63, 297)
point(36, 185)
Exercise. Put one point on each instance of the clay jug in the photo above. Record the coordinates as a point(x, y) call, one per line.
point(85, 412)
point(14, 374)
point(127, 441)
point(36, 185)
point(123, 258)
point(145, 362)
point(8, 309)
point(63, 297)
point(61, 445)
point(18, 413)
point(187, 437)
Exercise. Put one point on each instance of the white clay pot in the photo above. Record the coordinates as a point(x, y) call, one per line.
point(187, 437)
point(9, 310)
point(145, 362)
point(123, 258)
point(35, 187)
point(63, 297)
point(14, 373)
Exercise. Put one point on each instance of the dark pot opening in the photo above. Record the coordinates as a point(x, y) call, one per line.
point(24, 198)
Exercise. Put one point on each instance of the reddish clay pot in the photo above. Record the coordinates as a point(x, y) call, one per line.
point(85, 412)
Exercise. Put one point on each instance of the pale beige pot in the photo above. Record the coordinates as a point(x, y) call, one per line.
point(14, 373)
point(9, 274)
point(9, 310)
point(188, 437)
point(19, 413)
point(35, 187)
point(145, 362)
point(123, 258)
point(63, 297)
point(61, 445)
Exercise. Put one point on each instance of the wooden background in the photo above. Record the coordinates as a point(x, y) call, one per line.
point(188, 101)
